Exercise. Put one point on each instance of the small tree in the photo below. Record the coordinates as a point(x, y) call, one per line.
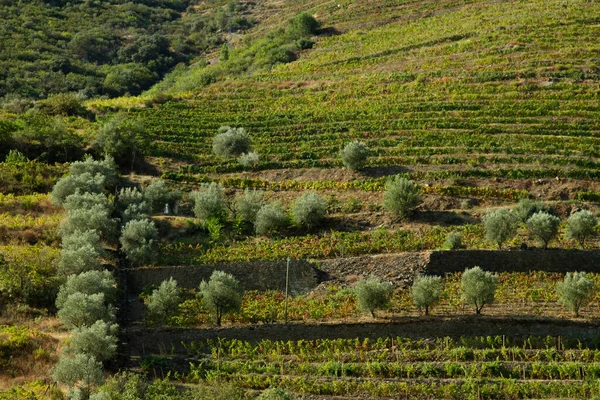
point(210, 202)
point(401, 196)
point(96, 218)
point(372, 294)
point(123, 139)
point(453, 241)
point(247, 205)
point(98, 341)
point(79, 200)
point(581, 226)
point(90, 282)
point(107, 168)
point(157, 195)
point(274, 394)
point(139, 241)
point(354, 155)
point(527, 208)
point(222, 294)
point(84, 310)
point(478, 287)
point(575, 291)
point(78, 260)
point(270, 220)
point(309, 210)
point(163, 302)
point(81, 371)
point(543, 226)
point(500, 225)
point(250, 159)
point(231, 142)
point(85, 183)
point(302, 25)
point(426, 291)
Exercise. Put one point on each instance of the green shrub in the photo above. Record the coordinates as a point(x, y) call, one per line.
point(250, 159)
point(87, 200)
point(139, 241)
point(124, 140)
point(80, 371)
point(274, 394)
point(98, 340)
point(95, 218)
point(309, 210)
point(84, 183)
point(575, 291)
point(84, 310)
point(221, 294)
point(163, 302)
point(158, 195)
point(210, 202)
point(581, 226)
point(354, 155)
point(231, 142)
point(527, 207)
point(453, 241)
point(401, 197)
point(543, 226)
point(372, 294)
point(478, 287)
point(303, 25)
point(107, 168)
point(270, 220)
point(76, 261)
point(500, 225)
point(15, 157)
point(90, 282)
point(247, 205)
point(426, 291)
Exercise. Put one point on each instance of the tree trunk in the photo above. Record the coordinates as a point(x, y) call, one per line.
point(426, 310)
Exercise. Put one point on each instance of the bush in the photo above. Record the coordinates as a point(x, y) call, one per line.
point(303, 25)
point(527, 207)
point(131, 205)
point(124, 140)
point(543, 226)
point(250, 159)
point(372, 294)
point(96, 218)
point(575, 291)
point(580, 226)
point(309, 210)
point(84, 183)
point(90, 282)
point(247, 205)
point(64, 104)
point(98, 341)
point(354, 155)
point(453, 241)
point(157, 195)
point(478, 287)
point(163, 301)
point(210, 202)
point(84, 201)
point(231, 142)
point(139, 241)
point(270, 220)
point(78, 260)
point(79, 370)
point(221, 294)
point(15, 157)
point(274, 394)
point(426, 291)
point(81, 239)
point(107, 168)
point(401, 197)
point(500, 225)
point(84, 310)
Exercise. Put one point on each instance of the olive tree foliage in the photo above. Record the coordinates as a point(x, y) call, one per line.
point(527, 208)
point(131, 205)
point(80, 371)
point(139, 241)
point(163, 301)
point(157, 195)
point(107, 168)
point(98, 340)
point(426, 291)
point(84, 310)
point(231, 142)
point(210, 202)
point(453, 241)
point(221, 294)
point(90, 282)
point(274, 394)
point(270, 220)
point(309, 210)
point(575, 291)
point(355, 155)
point(581, 226)
point(500, 225)
point(86, 219)
point(372, 294)
point(249, 159)
point(84, 183)
point(246, 205)
point(85, 200)
point(78, 260)
point(478, 287)
point(543, 226)
point(123, 139)
point(401, 196)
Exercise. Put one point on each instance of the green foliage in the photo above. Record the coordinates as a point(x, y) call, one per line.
point(303, 25)
point(84, 183)
point(354, 155)
point(500, 225)
point(64, 104)
point(527, 208)
point(210, 202)
point(231, 142)
point(401, 196)
point(90, 282)
point(274, 394)
point(372, 294)
point(157, 195)
point(163, 302)
point(221, 294)
point(85, 200)
point(309, 210)
point(15, 157)
point(81, 310)
point(453, 241)
point(224, 56)
point(130, 79)
point(575, 291)
point(478, 287)
point(270, 220)
point(581, 226)
point(131, 205)
point(249, 159)
point(107, 168)
point(78, 260)
point(139, 241)
point(123, 139)
point(543, 226)
point(247, 205)
point(426, 291)
point(94, 218)
point(80, 370)
point(98, 341)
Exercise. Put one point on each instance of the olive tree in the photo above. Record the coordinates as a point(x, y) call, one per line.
point(131, 205)
point(231, 142)
point(270, 220)
point(543, 226)
point(401, 196)
point(139, 241)
point(500, 225)
point(221, 294)
point(98, 340)
point(85, 200)
point(309, 210)
point(77, 260)
point(164, 300)
point(210, 202)
point(96, 218)
point(84, 310)
point(354, 155)
point(426, 291)
point(581, 226)
point(575, 291)
point(527, 208)
point(90, 282)
point(478, 287)
point(372, 294)
point(247, 205)
point(123, 139)
point(107, 168)
point(158, 195)
point(80, 371)
point(84, 183)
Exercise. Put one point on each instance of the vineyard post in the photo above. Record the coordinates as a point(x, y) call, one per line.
point(287, 283)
